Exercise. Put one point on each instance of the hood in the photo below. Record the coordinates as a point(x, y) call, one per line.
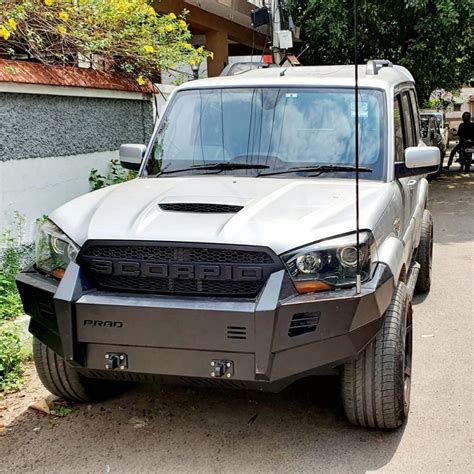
point(278, 213)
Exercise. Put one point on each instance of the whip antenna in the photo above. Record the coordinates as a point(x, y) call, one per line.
point(356, 124)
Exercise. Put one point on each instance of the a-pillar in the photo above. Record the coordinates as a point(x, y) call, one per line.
point(217, 42)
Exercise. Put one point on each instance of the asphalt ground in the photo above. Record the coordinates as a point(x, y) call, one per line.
point(303, 429)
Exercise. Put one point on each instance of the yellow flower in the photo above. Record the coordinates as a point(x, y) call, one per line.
point(151, 11)
point(182, 24)
point(149, 49)
point(185, 45)
point(169, 28)
point(12, 24)
point(63, 15)
point(61, 30)
point(49, 3)
point(4, 33)
point(141, 80)
point(172, 16)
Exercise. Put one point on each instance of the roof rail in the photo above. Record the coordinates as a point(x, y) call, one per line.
point(374, 66)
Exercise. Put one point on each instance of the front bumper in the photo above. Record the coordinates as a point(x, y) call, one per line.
point(270, 342)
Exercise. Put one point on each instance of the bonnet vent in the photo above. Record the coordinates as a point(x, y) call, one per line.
point(201, 208)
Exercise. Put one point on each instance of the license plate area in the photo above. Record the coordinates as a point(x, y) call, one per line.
point(161, 324)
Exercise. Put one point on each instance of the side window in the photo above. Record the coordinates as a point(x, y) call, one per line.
point(398, 128)
point(416, 115)
point(408, 121)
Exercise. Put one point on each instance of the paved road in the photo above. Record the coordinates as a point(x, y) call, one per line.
point(302, 429)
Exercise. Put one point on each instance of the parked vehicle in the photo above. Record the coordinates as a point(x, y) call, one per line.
point(431, 132)
point(443, 124)
point(465, 155)
point(233, 259)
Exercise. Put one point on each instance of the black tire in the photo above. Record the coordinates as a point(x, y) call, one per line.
point(424, 254)
point(63, 380)
point(376, 386)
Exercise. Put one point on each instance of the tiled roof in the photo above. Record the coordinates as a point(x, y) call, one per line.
point(24, 72)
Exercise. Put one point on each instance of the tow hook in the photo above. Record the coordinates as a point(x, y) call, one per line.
point(116, 360)
point(222, 368)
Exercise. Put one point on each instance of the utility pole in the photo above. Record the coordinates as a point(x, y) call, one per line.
point(278, 47)
point(276, 27)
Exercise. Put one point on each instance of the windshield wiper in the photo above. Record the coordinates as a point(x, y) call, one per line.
point(225, 166)
point(318, 169)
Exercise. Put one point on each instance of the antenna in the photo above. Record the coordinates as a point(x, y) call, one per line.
point(356, 123)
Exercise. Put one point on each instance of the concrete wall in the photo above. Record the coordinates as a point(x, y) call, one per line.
point(36, 126)
point(51, 138)
point(34, 187)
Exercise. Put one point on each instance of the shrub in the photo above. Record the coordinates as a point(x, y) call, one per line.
point(120, 35)
point(116, 175)
point(12, 356)
point(13, 254)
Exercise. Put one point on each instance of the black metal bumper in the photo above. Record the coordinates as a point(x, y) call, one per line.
point(269, 341)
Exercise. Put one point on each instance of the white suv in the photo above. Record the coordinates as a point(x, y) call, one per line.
point(232, 260)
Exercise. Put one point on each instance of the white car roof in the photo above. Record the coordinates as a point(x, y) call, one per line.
point(387, 77)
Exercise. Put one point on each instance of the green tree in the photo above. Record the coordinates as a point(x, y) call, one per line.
point(121, 35)
point(432, 38)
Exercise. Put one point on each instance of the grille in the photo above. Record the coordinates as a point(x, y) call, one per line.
point(303, 323)
point(46, 308)
point(236, 332)
point(179, 254)
point(241, 271)
point(174, 285)
point(201, 208)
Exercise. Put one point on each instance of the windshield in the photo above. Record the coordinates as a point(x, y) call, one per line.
point(281, 128)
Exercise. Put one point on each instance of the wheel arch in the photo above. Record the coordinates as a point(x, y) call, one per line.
point(391, 253)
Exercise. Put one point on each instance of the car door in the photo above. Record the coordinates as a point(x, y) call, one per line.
point(437, 135)
point(400, 144)
point(410, 126)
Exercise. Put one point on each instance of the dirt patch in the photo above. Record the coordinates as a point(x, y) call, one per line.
point(13, 405)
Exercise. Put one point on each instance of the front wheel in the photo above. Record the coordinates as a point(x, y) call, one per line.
point(63, 380)
point(376, 386)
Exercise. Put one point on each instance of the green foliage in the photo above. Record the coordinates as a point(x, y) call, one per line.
point(61, 410)
point(433, 39)
point(116, 175)
point(12, 356)
point(12, 258)
point(127, 36)
point(432, 104)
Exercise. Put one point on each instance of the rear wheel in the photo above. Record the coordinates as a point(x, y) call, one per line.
point(424, 254)
point(468, 163)
point(63, 380)
point(376, 386)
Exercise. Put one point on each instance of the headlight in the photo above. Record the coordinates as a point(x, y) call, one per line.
point(331, 263)
point(54, 249)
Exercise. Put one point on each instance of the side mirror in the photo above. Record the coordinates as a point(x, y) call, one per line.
point(419, 161)
point(131, 156)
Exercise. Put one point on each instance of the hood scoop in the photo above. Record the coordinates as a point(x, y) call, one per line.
point(201, 208)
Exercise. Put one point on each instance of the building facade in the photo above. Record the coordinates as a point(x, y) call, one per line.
point(223, 26)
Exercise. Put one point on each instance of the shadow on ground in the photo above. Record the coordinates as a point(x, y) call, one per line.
point(180, 429)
